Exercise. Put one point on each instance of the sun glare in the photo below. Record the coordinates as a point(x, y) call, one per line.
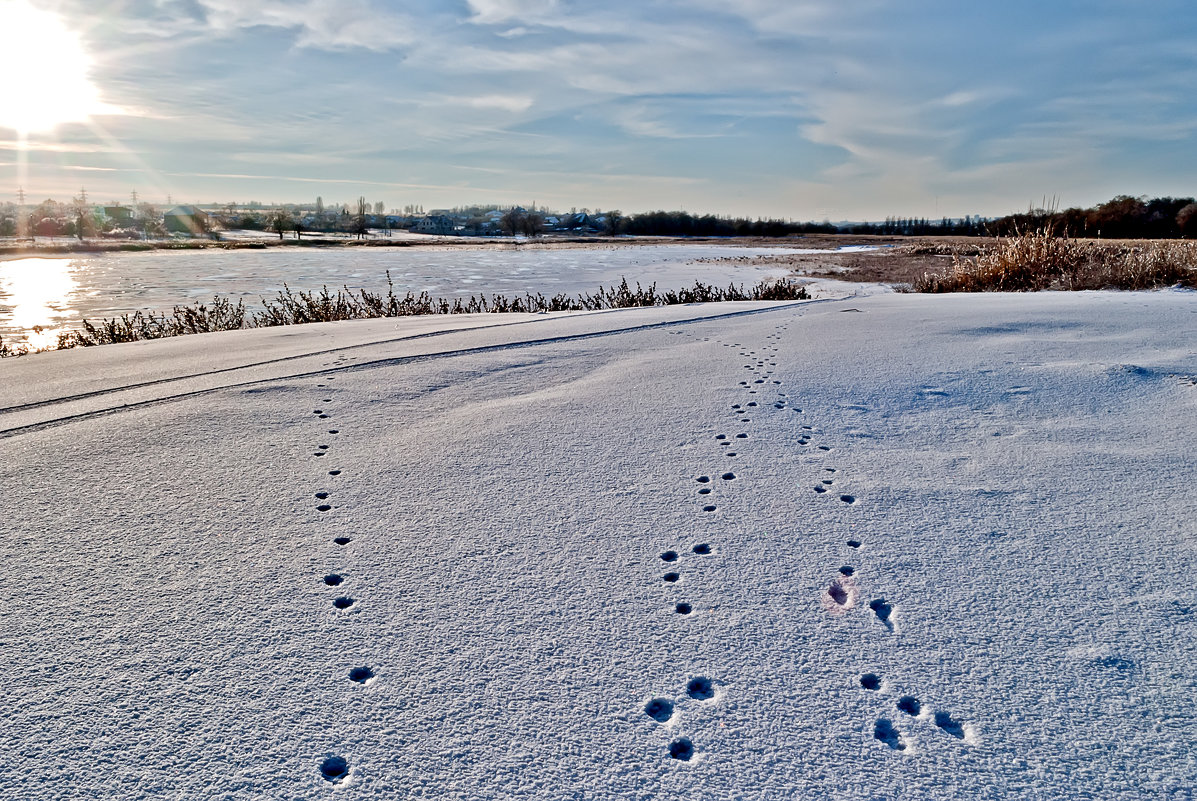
point(45, 71)
point(37, 294)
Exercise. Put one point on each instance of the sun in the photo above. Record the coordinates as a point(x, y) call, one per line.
point(44, 71)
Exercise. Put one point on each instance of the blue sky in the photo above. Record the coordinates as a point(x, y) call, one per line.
point(854, 109)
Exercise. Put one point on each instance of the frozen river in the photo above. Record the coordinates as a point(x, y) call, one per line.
point(53, 294)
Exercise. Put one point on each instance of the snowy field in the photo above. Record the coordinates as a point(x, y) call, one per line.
point(894, 546)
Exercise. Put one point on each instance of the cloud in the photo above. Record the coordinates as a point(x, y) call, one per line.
point(489, 12)
point(641, 120)
point(321, 24)
point(512, 103)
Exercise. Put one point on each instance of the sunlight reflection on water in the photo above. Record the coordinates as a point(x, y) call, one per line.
point(36, 297)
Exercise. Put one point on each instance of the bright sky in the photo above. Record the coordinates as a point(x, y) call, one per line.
point(838, 109)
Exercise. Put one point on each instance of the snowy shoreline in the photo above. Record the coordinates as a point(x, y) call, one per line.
point(878, 546)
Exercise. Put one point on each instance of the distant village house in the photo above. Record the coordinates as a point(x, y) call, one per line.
point(185, 220)
point(435, 224)
point(118, 214)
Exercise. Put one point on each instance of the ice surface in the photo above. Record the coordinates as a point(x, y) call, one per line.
point(58, 293)
point(505, 503)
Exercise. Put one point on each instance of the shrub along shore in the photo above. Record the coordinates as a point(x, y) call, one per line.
point(296, 308)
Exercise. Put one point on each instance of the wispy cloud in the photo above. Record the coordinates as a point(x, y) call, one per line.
point(806, 108)
point(521, 11)
point(326, 24)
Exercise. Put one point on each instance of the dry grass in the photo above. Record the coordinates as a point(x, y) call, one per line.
point(1041, 261)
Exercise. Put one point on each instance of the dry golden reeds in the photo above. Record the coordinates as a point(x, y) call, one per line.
point(1037, 261)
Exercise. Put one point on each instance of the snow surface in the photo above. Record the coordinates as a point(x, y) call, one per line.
point(1016, 471)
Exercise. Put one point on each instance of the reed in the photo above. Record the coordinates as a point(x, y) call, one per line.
point(1039, 261)
point(292, 307)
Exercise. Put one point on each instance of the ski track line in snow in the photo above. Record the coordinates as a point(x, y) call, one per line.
point(394, 340)
point(386, 362)
point(22, 407)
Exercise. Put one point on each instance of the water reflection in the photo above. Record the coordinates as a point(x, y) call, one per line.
point(36, 294)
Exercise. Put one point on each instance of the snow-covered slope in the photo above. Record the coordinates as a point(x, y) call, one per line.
point(885, 547)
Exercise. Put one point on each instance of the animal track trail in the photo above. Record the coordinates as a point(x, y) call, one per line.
point(913, 707)
point(334, 768)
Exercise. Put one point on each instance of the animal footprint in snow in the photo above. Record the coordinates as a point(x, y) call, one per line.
point(681, 749)
point(700, 688)
point(334, 769)
point(884, 612)
point(361, 675)
point(659, 709)
point(840, 596)
point(884, 731)
point(910, 705)
point(944, 721)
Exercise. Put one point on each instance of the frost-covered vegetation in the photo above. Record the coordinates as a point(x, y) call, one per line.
point(295, 308)
point(1038, 261)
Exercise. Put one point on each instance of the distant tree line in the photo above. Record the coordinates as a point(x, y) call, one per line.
point(1123, 217)
point(680, 223)
point(921, 226)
